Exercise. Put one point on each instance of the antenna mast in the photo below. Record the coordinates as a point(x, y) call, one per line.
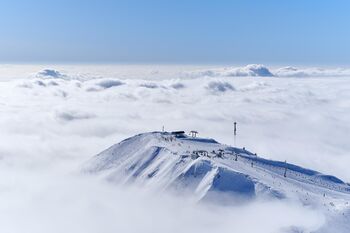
point(285, 168)
point(234, 133)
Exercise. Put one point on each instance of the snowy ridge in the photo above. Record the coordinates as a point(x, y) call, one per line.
point(208, 170)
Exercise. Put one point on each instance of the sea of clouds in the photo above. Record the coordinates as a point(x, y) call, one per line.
point(54, 118)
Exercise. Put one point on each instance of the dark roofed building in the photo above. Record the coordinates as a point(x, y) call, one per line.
point(178, 133)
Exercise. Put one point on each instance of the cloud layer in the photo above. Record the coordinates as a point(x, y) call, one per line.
point(50, 126)
point(255, 70)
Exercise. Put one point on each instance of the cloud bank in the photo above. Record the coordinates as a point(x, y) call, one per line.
point(109, 83)
point(49, 129)
point(256, 70)
point(217, 87)
point(70, 203)
point(290, 71)
point(252, 70)
point(49, 73)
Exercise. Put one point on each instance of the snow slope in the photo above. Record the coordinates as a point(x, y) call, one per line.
point(207, 170)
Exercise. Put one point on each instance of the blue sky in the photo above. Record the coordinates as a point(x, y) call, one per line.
point(181, 31)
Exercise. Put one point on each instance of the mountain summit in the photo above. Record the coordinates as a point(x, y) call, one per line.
point(208, 170)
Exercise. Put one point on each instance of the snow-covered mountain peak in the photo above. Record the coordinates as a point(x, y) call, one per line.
point(207, 170)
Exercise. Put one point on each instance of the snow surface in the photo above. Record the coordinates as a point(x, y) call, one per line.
point(225, 175)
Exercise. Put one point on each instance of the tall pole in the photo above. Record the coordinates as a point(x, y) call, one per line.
point(285, 168)
point(234, 132)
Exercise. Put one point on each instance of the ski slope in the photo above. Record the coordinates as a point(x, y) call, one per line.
point(207, 170)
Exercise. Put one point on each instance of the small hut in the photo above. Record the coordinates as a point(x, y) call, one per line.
point(193, 133)
point(178, 134)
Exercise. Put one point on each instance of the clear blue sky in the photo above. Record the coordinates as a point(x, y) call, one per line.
point(177, 31)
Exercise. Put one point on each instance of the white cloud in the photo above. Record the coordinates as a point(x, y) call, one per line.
point(109, 83)
point(290, 71)
point(255, 70)
point(71, 203)
point(72, 115)
point(49, 130)
point(251, 70)
point(149, 85)
point(178, 86)
point(49, 73)
point(217, 87)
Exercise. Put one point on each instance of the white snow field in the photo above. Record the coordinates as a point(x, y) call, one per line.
point(165, 159)
point(207, 170)
point(54, 118)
